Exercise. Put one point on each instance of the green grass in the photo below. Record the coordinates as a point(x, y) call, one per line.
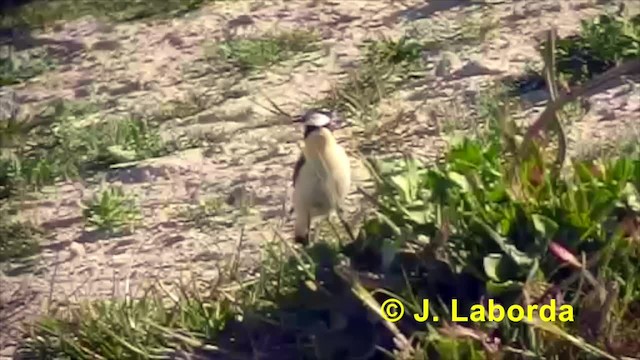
point(385, 65)
point(41, 13)
point(203, 214)
point(249, 54)
point(19, 67)
point(111, 210)
point(61, 146)
point(486, 223)
point(18, 240)
point(131, 329)
point(470, 30)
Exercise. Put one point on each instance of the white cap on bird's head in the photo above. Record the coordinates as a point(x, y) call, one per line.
point(314, 119)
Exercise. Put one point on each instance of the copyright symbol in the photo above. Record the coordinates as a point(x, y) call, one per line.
point(392, 310)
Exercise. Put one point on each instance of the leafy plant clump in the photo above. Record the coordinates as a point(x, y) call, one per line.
point(111, 210)
point(601, 44)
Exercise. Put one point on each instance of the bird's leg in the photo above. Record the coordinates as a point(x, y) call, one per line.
point(335, 231)
point(346, 225)
point(304, 239)
point(309, 228)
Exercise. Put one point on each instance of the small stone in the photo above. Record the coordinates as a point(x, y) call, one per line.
point(476, 68)
point(606, 114)
point(76, 250)
point(105, 45)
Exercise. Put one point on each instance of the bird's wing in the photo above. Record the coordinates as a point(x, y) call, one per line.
point(297, 167)
point(296, 172)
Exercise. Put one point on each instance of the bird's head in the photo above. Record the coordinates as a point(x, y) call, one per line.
point(315, 119)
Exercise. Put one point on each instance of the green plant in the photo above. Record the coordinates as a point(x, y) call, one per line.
point(602, 43)
point(60, 146)
point(18, 240)
point(30, 154)
point(111, 210)
point(469, 30)
point(202, 214)
point(268, 50)
point(18, 67)
point(463, 230)
point(476, 31)
point(128, 140)
point(192, 104)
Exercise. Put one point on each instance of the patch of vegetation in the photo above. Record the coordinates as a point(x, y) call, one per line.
point(111, 210)
point(18, 240)
point(201, 214)
point(42, 13)
point(18, 67)
point(471, 30)
point(270, 49)
point(127, 329)
point(213, 212)
point(602, 43)
point(58, 146)
point(385, 65)
point(626, 144)
point(192, 104)
point(475, 31)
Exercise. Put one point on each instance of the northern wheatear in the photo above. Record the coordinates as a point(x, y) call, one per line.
point(322, 174)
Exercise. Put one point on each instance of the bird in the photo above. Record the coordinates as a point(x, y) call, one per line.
point(322, 173)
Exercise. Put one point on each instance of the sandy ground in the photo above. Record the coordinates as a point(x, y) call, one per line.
point(137, 67)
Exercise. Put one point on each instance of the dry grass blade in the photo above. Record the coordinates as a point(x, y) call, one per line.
point(576, 341)
point(278, 110)
point(594, 86)
point(595, 312)
point(552, 121)
point(552, 84)
point(457, 331)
